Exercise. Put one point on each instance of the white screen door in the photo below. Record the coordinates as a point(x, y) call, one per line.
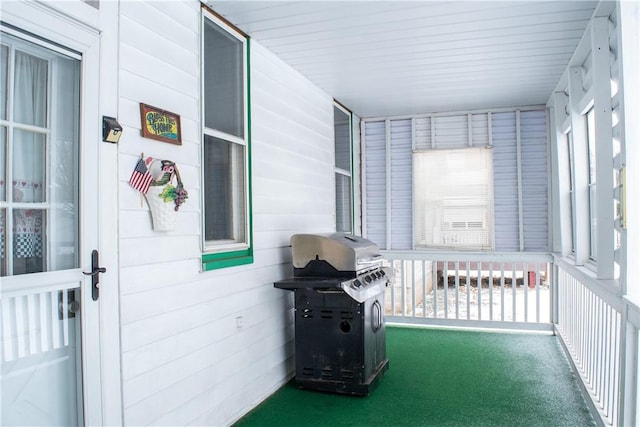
point(47, 230)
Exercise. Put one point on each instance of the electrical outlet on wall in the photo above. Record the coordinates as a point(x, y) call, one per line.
point(239, 322)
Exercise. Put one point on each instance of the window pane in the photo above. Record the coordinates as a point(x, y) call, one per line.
point(224, 191)
point(3, 240)
point(593, 215)
point(28, 245)
point(593, 218)
point(40, 217)
point(64, 216)
point(453, 198)
point(591, 136)
point(223, 81)
point(30, 93)
point(342, 139)
point(343, 203)
point(571, 188)
point(4, 67)
point(28, 166)
point(3, 160)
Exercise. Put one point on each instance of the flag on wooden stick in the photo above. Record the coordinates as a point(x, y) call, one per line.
point(141, 178)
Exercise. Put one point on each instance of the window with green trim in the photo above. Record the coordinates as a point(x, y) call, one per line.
point(226, 145)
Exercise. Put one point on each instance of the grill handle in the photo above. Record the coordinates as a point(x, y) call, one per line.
point(368, 261)
point(376, 316)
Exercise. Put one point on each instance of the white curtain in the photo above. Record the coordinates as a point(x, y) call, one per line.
point(30, 107)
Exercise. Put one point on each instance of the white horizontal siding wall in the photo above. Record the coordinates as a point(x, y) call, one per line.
point(184, 361)
point(505, 179)
point(401, 164)
point(375, 184)
point(520, 175)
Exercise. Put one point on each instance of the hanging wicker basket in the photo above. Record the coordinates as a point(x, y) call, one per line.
point(161, 197)
point(163, 213)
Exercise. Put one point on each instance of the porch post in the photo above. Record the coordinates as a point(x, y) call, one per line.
point(601, 77)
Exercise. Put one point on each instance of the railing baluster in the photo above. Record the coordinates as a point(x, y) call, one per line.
point(22, 346)
point(514, 288)
point(615, 365)
point(44, 333)
point(53, 319)
point(65, 319)
point(468, 288)
point(413, 288)
point(457, 285)
point(424, 287)
point(490, 280)
point(8, 343)
point(602, 345)
point(434, 290)
point(502, 291)
point(31, 322)
point(525, 286)
point(445, 282)
point(537, 290)
point(479, 289)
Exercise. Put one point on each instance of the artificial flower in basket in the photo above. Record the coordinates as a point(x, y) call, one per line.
point(155, 179)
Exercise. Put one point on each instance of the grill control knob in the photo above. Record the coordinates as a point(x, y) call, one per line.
point(367, 279)
point(357, 283)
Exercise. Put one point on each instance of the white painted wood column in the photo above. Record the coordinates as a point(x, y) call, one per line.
point(109, 221)
point(601, 78)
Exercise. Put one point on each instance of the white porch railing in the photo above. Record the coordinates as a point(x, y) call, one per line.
point(501, 290)
point(599, 330)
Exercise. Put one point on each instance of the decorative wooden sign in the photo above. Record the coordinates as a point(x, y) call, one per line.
point(160, 124)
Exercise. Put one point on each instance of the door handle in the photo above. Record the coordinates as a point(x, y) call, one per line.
point(94, 273)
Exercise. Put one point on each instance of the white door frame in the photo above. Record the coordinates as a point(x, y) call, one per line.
point(93, 33)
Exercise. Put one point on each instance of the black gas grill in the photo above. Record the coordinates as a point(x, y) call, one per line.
point(339, 284)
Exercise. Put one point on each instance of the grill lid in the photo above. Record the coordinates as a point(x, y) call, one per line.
point(344, 252)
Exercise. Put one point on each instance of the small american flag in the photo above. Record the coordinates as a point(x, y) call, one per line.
point(141, 178)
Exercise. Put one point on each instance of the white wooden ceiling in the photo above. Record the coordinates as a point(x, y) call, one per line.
point(382, 58)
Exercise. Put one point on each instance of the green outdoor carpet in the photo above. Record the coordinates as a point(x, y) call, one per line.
point(447, 378)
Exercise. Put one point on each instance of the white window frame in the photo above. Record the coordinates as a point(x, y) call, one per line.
point(589, 122)
point(344, 172)
point(455, 229)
